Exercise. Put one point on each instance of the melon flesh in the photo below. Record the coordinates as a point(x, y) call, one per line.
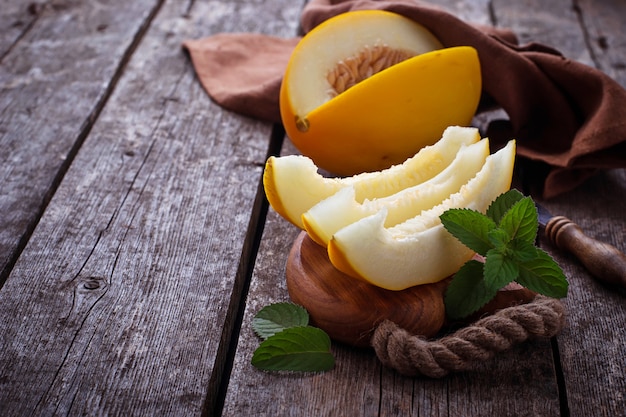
point(332, 43)
point(293, 184)
point(342, 208)
point(419, 250)
point(368, 89)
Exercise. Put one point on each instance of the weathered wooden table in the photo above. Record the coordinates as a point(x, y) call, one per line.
point(136, 244)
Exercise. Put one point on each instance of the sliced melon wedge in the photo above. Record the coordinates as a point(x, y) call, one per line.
point(419, 250)
point(342, 208)
point(293, 185)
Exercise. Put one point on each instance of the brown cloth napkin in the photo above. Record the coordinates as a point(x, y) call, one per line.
point(569, 119)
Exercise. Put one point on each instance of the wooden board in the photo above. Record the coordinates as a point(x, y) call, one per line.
point(523, 381)
point(605, 29)
point(591, 347)
point(142, 197)
point(554, 23)
point(15, 20)
point(125, 298)
point(59, 63)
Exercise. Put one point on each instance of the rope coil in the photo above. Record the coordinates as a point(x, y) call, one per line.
point(413, 355)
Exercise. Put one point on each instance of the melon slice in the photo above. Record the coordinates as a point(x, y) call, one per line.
point(341, 209)
point(419, 250)
point(293, 185)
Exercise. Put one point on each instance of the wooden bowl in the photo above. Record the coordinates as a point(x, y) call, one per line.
point(349, 309)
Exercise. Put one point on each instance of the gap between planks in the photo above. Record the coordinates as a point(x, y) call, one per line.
point(218, 385)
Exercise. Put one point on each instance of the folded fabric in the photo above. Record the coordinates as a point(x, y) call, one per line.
point(569, 119)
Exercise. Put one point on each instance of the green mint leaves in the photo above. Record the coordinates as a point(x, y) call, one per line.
point(505, 237)
point(277, 317)
point(289, 343)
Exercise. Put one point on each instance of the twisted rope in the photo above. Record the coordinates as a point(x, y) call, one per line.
point(412, 355)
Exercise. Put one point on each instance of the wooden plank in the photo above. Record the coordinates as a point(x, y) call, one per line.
point(124, 299)
point(605, 26)
point(15, 20)
point(553, 23)
point(475, 12)
point(58, 66)
point(359, 385)
point(592, 356)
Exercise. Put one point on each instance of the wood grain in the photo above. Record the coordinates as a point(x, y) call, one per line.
point(591, 355)
point(59, 63)
point(123, 302)
point(349, 310)
point(554, 23)
point(605, 29)
point(15, 20)
point(142, 199)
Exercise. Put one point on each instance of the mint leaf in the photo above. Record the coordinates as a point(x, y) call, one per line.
point(290, 344)
point(467, 291)
point(470, 227)
point(505, 237)
point(502, 204)
point(499, 270)
point(499, 239)
point(543, 275)
point(277, 317)
point(520, 221)
point(305, 349)
point(522, 251)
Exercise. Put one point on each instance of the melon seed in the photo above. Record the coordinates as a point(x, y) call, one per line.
point(366, 63)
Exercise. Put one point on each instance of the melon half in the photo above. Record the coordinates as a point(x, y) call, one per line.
point(368, 89)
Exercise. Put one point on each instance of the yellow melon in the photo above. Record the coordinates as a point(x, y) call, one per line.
point(367, 89)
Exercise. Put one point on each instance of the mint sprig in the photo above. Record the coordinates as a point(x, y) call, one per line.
point(277, 317)
point(505, 237)
point(290, 344)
